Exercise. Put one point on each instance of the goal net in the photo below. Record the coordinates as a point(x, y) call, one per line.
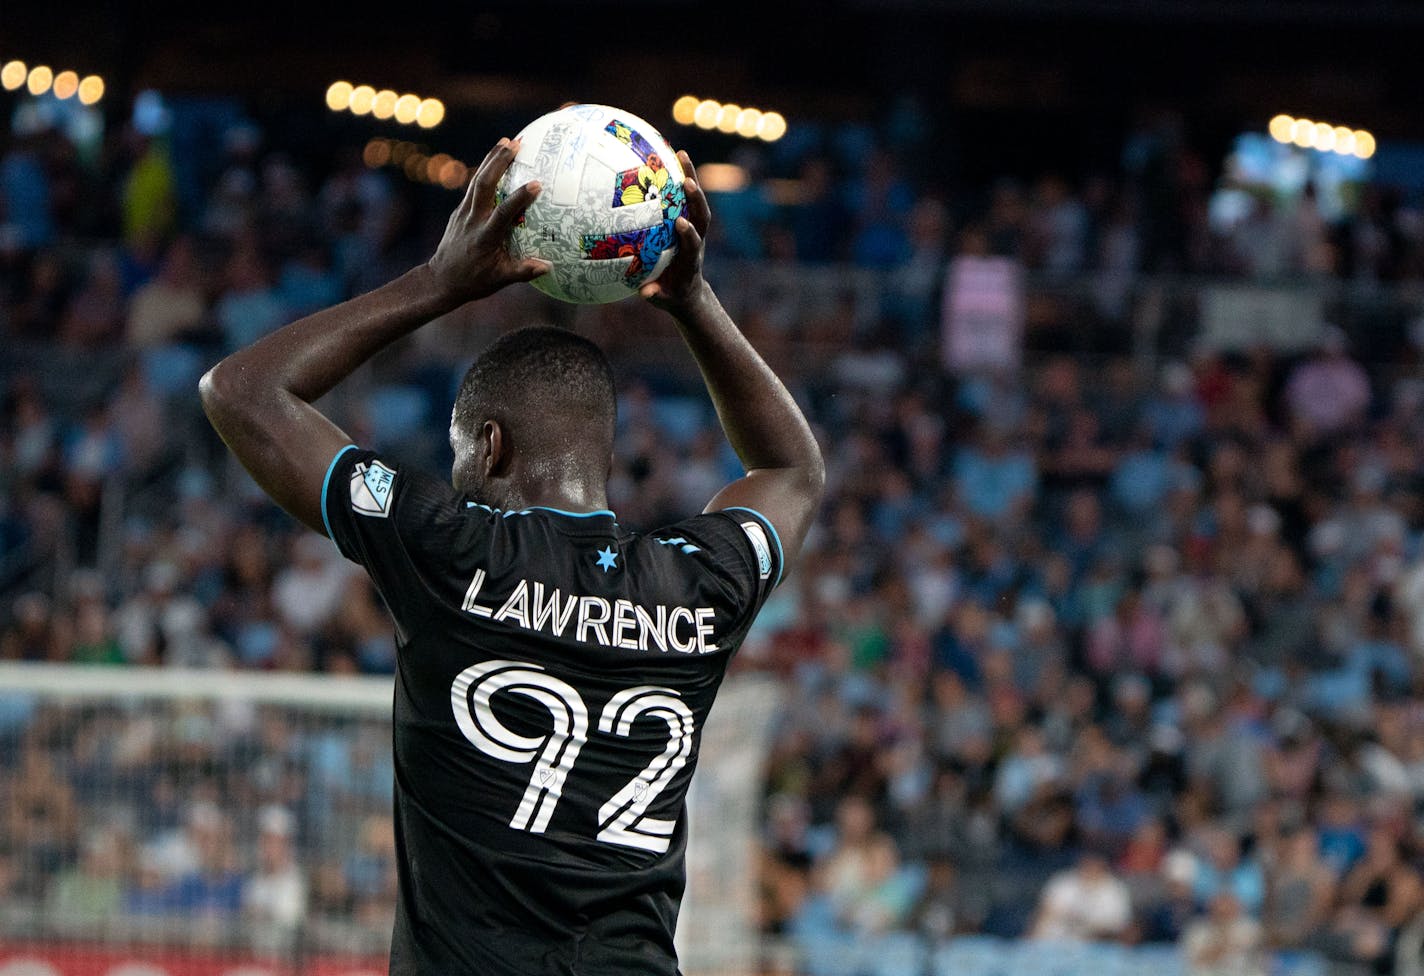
point(168, 823)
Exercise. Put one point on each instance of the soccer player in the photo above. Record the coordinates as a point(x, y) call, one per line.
point(555, 669)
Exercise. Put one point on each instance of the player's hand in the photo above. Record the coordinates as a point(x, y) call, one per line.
point(473, 259)
point(681, 284)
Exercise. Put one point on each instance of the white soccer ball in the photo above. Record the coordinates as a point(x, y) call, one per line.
point(612, 188)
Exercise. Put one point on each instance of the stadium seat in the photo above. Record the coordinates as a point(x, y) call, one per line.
point(971, 955)
point(833, 954)
point(896, 954)
point(1049, 958)
point(1105, 958)
point(1299, 964)
point(1155, 960)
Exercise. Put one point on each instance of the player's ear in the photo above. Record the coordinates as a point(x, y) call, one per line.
point(496, 448)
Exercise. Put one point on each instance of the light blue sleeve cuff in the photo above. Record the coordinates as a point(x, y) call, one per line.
point(776, 539)
point(326, 483)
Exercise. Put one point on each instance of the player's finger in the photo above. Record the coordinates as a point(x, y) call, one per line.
point(687, 236)
point(484, 166)
point(487, 177)
point(698, 210)
point(531, 268)
point(507, 213)
point(688, 170)
point(467, 203)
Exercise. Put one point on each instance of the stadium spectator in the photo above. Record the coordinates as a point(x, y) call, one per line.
point(1300, 889)
point(172, 306)
point(1221, 867)
point(785, 861)
point(164, 625)
point(25, 194)
point(249, 306)
point(34, 634)
point(93, 316)
point(94, 640)
point(946, 907)
point(1173, 906)
point(307, 594)
point(1225, 942)
point(274, 896)
point(857, 876)
point(1330, 392)
point(90, 894)
point(1086, 902)
point(1378, 896)
point(41, 819)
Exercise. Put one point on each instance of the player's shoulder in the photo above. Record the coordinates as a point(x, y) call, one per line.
point(737, 540)
point(372, 500)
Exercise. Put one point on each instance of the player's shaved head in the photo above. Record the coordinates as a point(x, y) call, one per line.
point(551, 392)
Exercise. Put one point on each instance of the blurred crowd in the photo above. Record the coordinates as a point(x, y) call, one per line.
point(1094, 659)
point(219, 824)
point(1086, 651)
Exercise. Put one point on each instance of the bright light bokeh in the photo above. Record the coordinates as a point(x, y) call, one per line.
point(730, 118)
point(338, 96)
point(772, 126)
point(747, 122)
point(1324, 137)
point(377, 153)
point(361, 98)
point(407, 108)
point(721, 177)
point(91, 89)
point(435, 165)
point(383, 105)
point(440, 169)
point(66, 83)
point(13, 75)
point(453, 174)
point(684, 109)
point(430, 114)
point(705, 116)
point(41, 77)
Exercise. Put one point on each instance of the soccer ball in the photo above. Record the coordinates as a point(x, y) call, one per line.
point(612, 189)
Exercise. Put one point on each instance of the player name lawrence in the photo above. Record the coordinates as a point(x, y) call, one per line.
point(593, 619)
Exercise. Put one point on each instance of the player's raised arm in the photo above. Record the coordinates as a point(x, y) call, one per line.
point(260, 398)
point(785, 472)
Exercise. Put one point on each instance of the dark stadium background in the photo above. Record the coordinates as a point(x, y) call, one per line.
point(1018, 84)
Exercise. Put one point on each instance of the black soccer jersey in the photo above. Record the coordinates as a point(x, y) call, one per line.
point(554, 674)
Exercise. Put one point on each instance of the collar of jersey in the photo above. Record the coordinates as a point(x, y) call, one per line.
point(600, 513)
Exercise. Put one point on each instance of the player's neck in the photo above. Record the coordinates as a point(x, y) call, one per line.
point(564, 495)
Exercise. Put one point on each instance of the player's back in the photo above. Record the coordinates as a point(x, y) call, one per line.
point(554, 675)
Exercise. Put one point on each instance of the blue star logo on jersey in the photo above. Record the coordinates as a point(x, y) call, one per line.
point(607, 559)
